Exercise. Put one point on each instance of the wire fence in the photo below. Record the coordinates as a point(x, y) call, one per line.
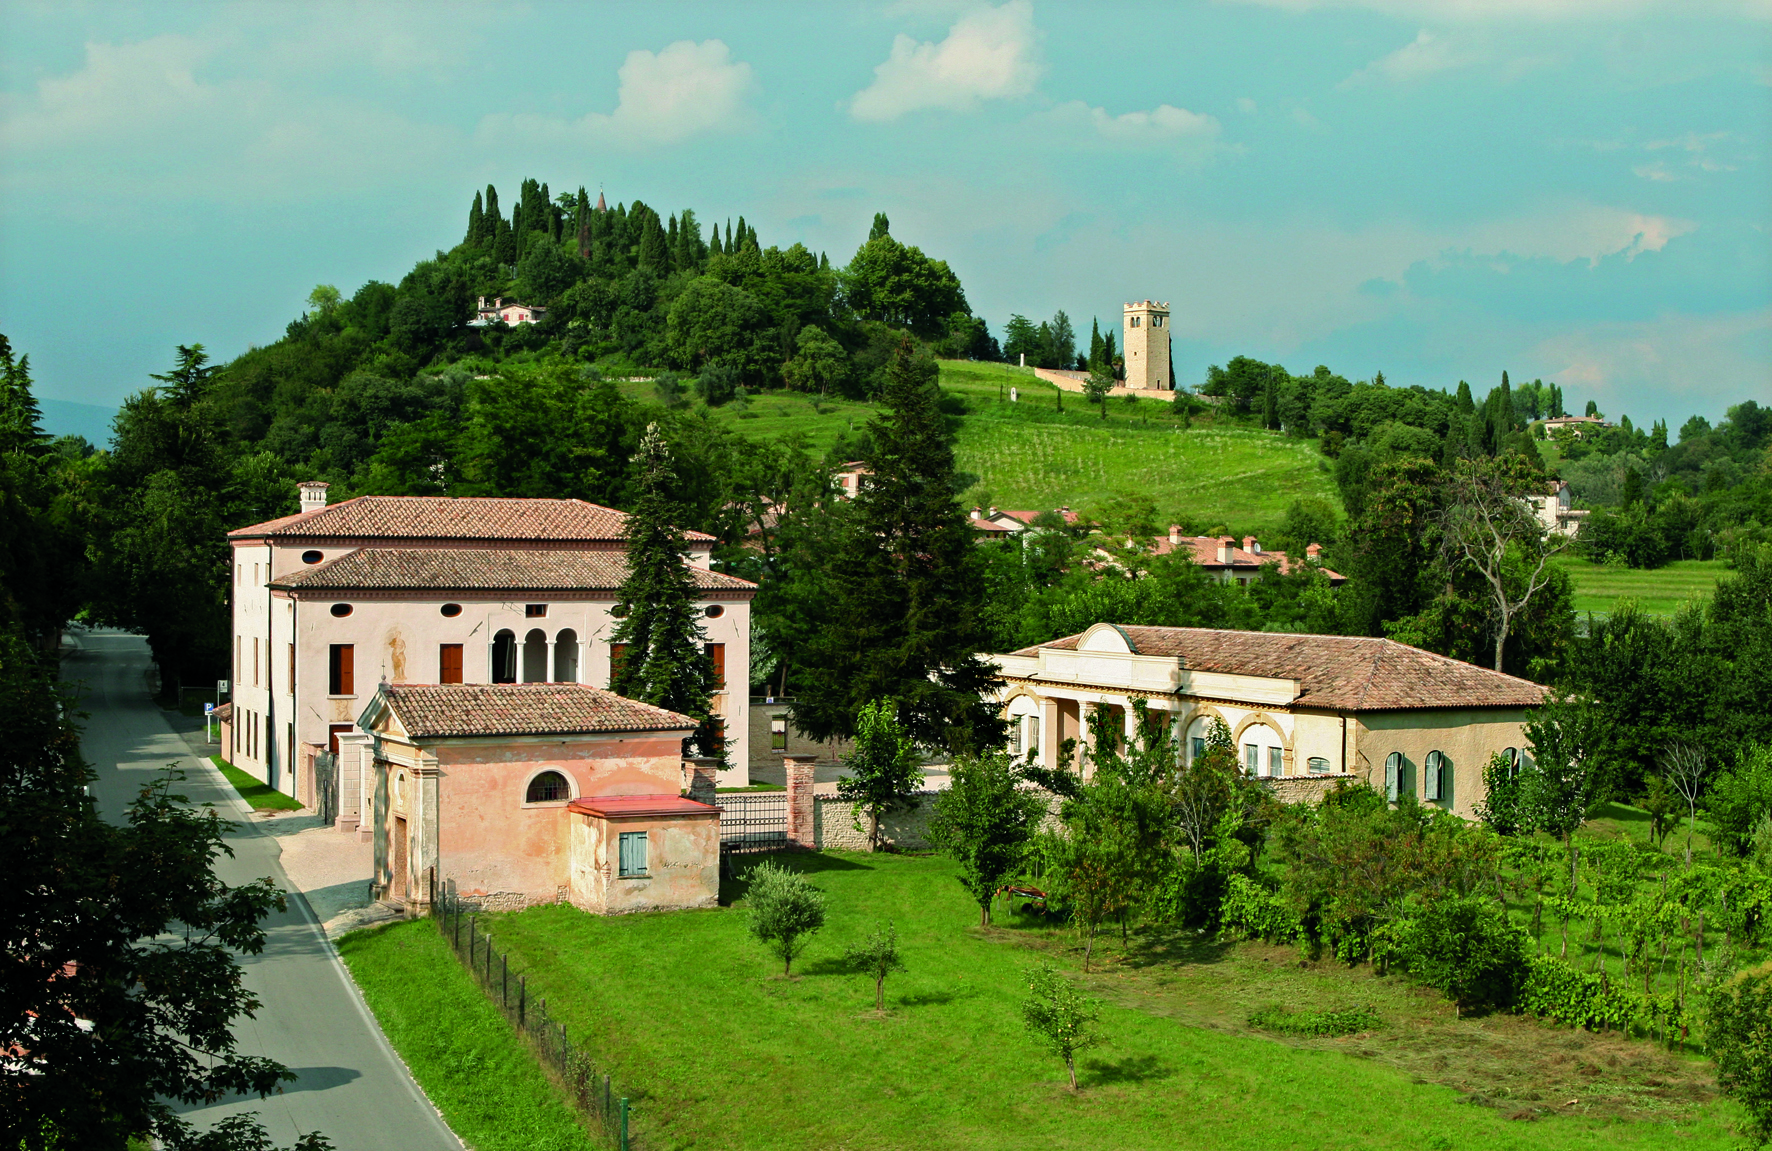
point(593, 1094)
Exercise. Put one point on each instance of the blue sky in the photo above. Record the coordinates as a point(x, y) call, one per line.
point(1576, 190)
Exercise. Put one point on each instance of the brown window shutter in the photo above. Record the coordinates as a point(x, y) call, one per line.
point(346, 672)
point(291, 667)
point(717, 656)
point(618, 654)
point(449, 661)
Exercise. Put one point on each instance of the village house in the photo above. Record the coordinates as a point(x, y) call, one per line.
point(1577, 426)
point(520, 794)
point(1228, 563)
point(1303, 711)
point(1553, 510)
point(1000, 522)
point(334, 600)
point(849, 478)
point(501, 310)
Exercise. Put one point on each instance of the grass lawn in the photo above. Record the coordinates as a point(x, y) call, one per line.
point(258, 796)
point(490, 1088)
point(692, 1014)
point(1659, 591)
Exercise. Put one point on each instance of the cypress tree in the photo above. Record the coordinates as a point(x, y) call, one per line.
point(476, 222)
point(517, 220)
point(666, 662)
point(900, 615)
point(491, 203)
point(1466, 403)
point(882, 227)
point(714, 248)
point(504, 243)
point(1506, 414)
point(654, 251)
point(1094, 342)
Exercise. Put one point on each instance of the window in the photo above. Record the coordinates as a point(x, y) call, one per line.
point(341, 676)
point(535, 610)
point(450, 610)
point(1317, 765)
point(449, 663)
point(291, 687)
point(504, 657)
point(1433, 777)
point(1015, 738)
point(1199, 747)
point(633, 854)
point(254, 661)
point(548, 787)
point(341, 610)
point(1135, 321)
point(312, 557)
point(717, 657)
point(1396, 771)
point(1513, 761)
point(714, 611)
point(1156, 321)
point(1276, 761)
point(1252, 758)
point(778, 733)
point(1033, 735)
point(618, 655)
point(566, 656)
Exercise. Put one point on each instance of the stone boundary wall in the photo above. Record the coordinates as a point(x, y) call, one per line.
point(1073, 382)
point(1305, 788)
point(903, 828)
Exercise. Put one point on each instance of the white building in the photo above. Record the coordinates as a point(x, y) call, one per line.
point(333, 601)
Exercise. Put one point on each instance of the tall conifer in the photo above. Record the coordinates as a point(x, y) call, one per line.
point(476, 221)
point(665, 662)
point(904, 616)
point(1094, 342)
point(21, 419)
point(714, 248)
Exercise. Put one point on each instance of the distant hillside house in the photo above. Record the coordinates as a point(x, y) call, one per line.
point(1303, 711)
point(506, 311)
point(1229, 563)
point(1001, 522)
point(1577, 425)
point(1553, 510)
point(849, 477)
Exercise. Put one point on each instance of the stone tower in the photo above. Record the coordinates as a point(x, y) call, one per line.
point(1145, 338)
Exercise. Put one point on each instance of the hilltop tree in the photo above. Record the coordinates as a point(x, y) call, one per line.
point(906, 607)
point(665, 661)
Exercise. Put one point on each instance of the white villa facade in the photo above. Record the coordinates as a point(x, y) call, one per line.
point(336, 600)
point(1303, 711)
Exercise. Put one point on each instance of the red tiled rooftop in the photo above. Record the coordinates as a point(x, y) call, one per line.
point(619, 806)
point(450, 518)
point(481, 569)
point(1345, 673)
point(430, 710)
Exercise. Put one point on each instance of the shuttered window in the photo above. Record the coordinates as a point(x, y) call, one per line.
point(449, 663)
point(618, 654)
point(1432, 776)
point(1252, 758)
point(341, 677)
point(1395, 776)
point(717, 657)
point(633, 853)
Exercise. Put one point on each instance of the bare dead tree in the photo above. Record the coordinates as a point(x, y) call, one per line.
point(1489, 515)
point(1685, 764)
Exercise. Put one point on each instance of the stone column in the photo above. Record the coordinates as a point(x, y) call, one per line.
point(1048, 733)
point(1131, 720)
point(548, 675)
point(422, 831)
point(702, 773)
point(801, 833)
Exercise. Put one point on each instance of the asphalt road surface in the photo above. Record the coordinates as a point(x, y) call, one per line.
point(351, 1086)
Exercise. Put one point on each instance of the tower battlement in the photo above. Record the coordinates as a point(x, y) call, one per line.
point(1144, 334)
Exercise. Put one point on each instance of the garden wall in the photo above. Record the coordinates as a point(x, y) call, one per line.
point(903, 829)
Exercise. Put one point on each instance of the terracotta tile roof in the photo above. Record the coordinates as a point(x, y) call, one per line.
point(635, 805)
point(1345, 673)
point(446, 518)
point(429, 710)
point(480, 569)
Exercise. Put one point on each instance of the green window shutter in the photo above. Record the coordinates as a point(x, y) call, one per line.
point(1430, 776)
point(1393, 775)
point(633, 853)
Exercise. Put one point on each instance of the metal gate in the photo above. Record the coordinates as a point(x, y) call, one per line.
point(326, 786)
point(753, 821)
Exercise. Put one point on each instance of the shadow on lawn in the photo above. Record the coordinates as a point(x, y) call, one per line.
point(1155, 946)
point(1132, 1069)
point(735, 869)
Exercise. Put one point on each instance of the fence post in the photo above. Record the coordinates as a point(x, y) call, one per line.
point(624, 1123)
point(608, 1103)
point(504, 981)
point(472, 922)
point(522, 1000)
point(457, 941)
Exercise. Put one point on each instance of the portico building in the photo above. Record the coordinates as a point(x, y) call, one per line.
point(1303, 711)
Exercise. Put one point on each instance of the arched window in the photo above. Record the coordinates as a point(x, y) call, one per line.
point(1435, 772)
point(1196, 737)
point(1513, 761)
point(504, 657)
point(566, 657)
point(1317, 765)
point(535, 657)
point(548, 787)
point(1396, 775)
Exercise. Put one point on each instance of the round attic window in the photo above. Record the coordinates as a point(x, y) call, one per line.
point(312, 557)
point(619, 612)
point(715, 611)
point(341, 609)
point(450, 610)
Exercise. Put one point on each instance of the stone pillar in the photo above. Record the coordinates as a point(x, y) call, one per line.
point(548, 676)
point(801, 833)
point(422, 830)
point(701, 773)
point(1048, 733)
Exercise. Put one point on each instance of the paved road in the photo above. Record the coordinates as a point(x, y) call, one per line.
point(351, 1087)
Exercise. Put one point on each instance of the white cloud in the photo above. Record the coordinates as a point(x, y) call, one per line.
point(1656, 172)
point(1425, 55)
point(1575, 231)
point(686, 90)
point(1163, 125)
point(1541, 10)
point(1245, 105)
point(987, 55)
point(1703, 360)
point(119, 89)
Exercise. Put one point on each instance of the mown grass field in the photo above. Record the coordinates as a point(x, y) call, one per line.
point(691, 1013)
point(1659, 591)
point(1032, 455)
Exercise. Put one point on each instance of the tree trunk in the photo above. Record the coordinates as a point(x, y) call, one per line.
point(880, 993)
point(984, 913)
point(1070, 1065)
point(1088, 948)
point(874, 828)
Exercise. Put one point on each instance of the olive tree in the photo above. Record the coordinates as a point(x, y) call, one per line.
point(785, 910)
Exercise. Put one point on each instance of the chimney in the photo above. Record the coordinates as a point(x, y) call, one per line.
point(1174, 533)
point(482, 304)
point(1313, 553)
point(975, 513)
point(1224, 550)
point(313, 495)
point(1251, 544)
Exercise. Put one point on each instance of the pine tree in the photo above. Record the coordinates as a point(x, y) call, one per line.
point(882, 227)
point(21, 420)
point(476, 222)
point(903, 616)
point(1094, 343)
point(666, 662)
point(1466, 403)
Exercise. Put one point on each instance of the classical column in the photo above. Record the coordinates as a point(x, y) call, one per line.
point(425, 858)
point(1048, 733)
point(549, 672)
point(492, 661)
point(584, 661)
point(800, 829)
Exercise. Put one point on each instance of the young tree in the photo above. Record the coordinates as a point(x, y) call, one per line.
point(1486, 518)
point(666, 662)
point(1059, 1016)
point(819, 362)
point(121, 989)
point(985, 820)
point(1096, 387)
point(1739, 1036)
point(883, 767)
point(1686, 765)
point(1205, 789)
point(906, 591)
point(785, 910)
point(877, 956)
point(1564, 781)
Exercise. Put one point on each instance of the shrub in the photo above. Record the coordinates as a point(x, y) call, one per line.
point(877, 956)
point(1739, 1033)
point(1251, 911)
point(1464, 945)
point(1500, 808)
point(1347, 1021)
point(1739, 798)
point(785, 910)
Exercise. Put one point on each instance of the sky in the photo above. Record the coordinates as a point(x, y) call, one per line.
point(1568, 190)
